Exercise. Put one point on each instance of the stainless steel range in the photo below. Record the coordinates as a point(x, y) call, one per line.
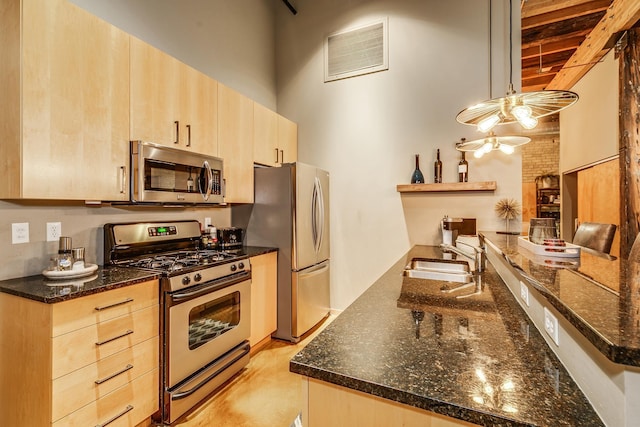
point(206, 297)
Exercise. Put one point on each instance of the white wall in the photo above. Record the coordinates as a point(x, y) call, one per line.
point(366, 130)
point(589, 129)
point(231, 41)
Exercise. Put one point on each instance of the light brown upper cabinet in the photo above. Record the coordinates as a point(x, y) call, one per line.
point(171, 103)
point(235, 144)
point(265, 136)
point(64, 119)
point(287, 140)
point(275, 139)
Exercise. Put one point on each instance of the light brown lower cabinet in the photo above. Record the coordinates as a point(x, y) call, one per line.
point(93, 360)
point(350, 408)
point(264, 297)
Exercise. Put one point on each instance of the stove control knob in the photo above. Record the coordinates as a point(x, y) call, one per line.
point(186, 280)
point(241, 265)
point(233, 267)
point(197, 277)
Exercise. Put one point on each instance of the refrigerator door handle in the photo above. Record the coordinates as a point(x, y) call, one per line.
point(313, 270)
point(321, 214)
point(314, 215)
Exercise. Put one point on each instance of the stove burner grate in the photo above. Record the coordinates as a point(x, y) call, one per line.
point(178, 260)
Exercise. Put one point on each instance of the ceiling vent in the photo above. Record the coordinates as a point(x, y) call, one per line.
point(358, 51)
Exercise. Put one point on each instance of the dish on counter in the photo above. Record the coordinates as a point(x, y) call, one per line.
point(70, 274)
point(66, 284)
point(567, 250)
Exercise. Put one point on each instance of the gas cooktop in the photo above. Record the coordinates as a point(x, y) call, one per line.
point(179, 260)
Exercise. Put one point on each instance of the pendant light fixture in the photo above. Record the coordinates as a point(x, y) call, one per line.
point(491, 142)
point(525, 108)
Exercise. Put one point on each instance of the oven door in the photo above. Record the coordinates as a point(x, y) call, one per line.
point(161, 174)
point(203, 323)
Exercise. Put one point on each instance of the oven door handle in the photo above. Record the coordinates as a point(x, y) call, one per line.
point(237, 355)
point(181, 296)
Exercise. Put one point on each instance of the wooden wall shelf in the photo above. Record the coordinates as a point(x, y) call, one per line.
point(447, 186)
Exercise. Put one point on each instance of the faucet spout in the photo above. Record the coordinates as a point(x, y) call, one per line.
point(478, 257)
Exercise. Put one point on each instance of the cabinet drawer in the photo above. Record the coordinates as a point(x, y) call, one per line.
point(127, 406)
point(88, 345)
point(73, 391)
point(77, 313)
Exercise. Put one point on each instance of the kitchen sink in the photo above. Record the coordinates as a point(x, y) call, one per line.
point(439, 269)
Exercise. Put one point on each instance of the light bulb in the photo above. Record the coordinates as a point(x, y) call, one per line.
point(506, 149)
point(528, 122)
point(478, 153)
point(486, 124)
point(487, 147)
point(521, 112)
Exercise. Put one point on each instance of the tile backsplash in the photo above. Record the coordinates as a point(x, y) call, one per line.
point(83, 223)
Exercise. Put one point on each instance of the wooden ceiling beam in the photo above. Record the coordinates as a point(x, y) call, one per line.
point(539, 80)
point(558, 30)
point(537, 7)
point(546, 47)
point(620, 16)
point(554, 60)
point(558, 15)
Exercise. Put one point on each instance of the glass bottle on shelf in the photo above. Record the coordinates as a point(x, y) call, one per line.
point(463, 168)
point(437, 169)
point(417, 177)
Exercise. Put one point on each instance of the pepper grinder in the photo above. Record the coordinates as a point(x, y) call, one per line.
point(65, 258)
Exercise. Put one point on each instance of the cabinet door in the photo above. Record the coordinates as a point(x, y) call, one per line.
point(265, 136)
point(155, 95)
point(199, 115)
point(171, 103)
point(287, 140)
point(75, 104)
point(264, 296)
point(235, 144)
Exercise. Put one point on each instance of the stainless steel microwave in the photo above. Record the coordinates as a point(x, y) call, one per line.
point(161, 174)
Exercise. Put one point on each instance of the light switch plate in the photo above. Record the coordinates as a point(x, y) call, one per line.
point(20, 232)
point(524, 293)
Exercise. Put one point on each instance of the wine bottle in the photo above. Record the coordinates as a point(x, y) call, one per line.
point(463, 168)
point(437, 169)
point(417, 177)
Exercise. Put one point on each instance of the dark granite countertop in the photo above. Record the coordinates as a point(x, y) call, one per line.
point(477, 359)
point(598, 295)
point(39, 288)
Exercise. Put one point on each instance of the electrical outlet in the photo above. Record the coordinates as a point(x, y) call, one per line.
point(54, 231)
point(207, 222)
point(551, 325)
point(20, 232)
point(524, 293)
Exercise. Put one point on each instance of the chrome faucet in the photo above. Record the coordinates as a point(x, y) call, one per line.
point(478, 257)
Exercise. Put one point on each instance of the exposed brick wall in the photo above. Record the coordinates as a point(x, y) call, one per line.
point(540, 156)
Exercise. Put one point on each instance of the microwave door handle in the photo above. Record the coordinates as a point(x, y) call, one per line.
point(206, 166)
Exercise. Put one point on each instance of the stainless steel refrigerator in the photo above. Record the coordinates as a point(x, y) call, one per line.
point(291, 211)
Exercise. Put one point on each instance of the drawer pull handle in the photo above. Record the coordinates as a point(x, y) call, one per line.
point(128, 332)
point(109, 421)
point(104, 307)
point(112, 376)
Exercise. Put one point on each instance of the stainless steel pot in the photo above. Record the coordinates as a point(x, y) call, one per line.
point(541, 229)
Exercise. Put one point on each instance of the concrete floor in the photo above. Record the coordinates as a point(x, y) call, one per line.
point(264, 394)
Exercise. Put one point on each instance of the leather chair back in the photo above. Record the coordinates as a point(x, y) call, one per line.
point(596, 236)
